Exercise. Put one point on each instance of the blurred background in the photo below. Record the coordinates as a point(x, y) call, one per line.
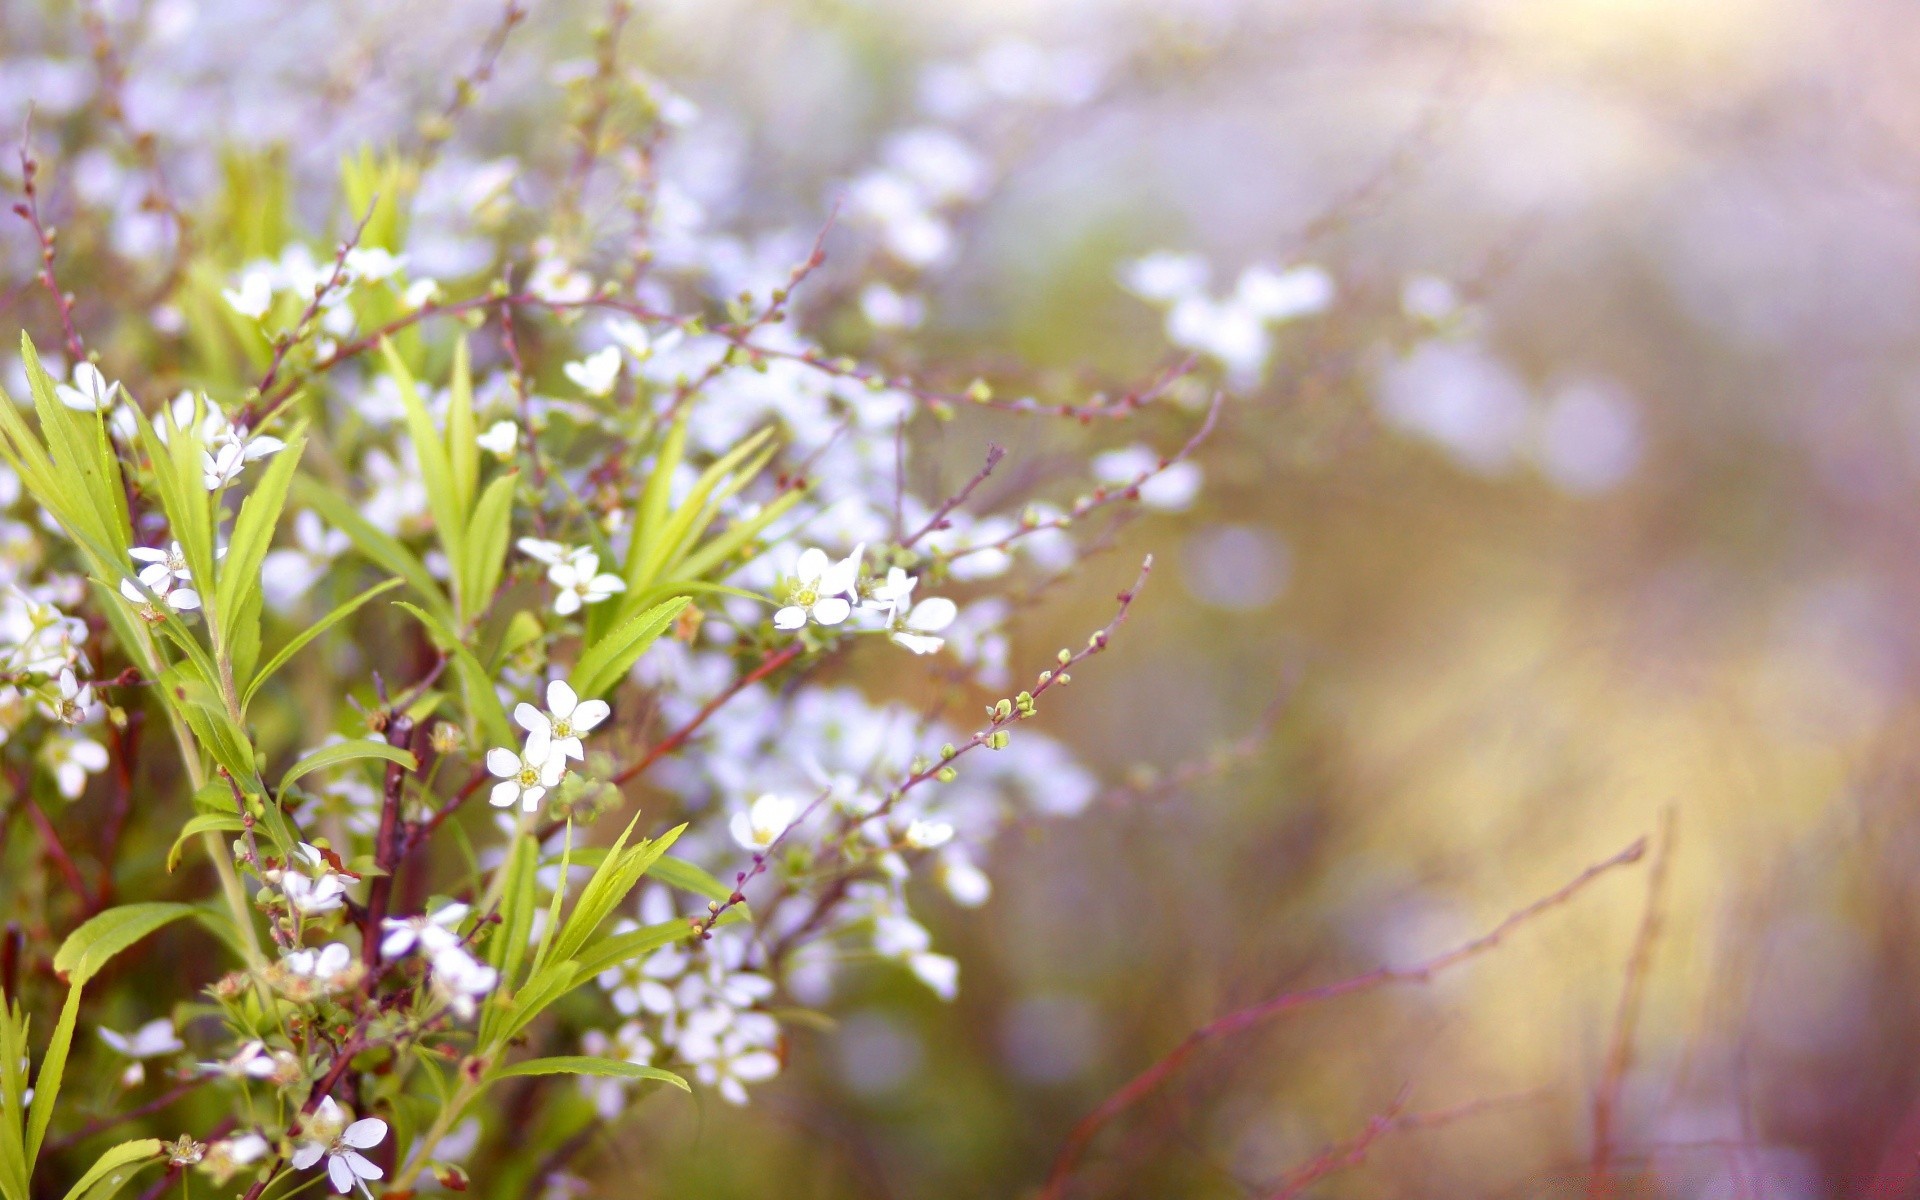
point(1581, 513)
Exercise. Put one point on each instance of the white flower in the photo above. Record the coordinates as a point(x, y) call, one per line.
point(557, 282)
point(151, 1040)
point(373, 263)
point(1165, 276)
point(500, 439)
point(90, 391)
point(310, 897)
point(73, 701)
point(346, 1166)
point(432, 932)
point(525, 777)
point(1283, 295)
point(459, 978)
point(926, 835)
point(72, 759)
point(173, 558)
point(630, 335)
point(254, 296)
point(819, 589)
point(596, 373)
point(287, 575)
point(253, 1061)
point(323, 966)
point(160, 582)
point(564, 721)
point(551, 553)
point(1170, 488)
point(221, 465)
point(930, 616)
point(896, 592)
point(764, 822)
point(938, 972)
point(580, 582)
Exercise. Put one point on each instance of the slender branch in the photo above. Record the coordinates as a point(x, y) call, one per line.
point(386, 845)
point(1606, 1099)
point(293, 337)
point(57, 851)
point(1149, 1081)
point(47, 236)
point(678, 738)
point(938, 520)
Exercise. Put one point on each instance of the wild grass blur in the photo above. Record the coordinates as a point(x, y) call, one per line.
point(1582, 515)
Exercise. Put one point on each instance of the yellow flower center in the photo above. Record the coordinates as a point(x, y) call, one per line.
point(528, 777)
point(563, 729)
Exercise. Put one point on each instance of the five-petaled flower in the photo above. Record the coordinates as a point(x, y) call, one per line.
point(525, 777)
point(566, 718)
point(346, 1166)
point(580, 582)
point(819, 589)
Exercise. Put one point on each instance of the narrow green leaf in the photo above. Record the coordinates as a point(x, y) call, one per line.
point(679, 873)
point(463, 437)
point(203, 823)
point(114, 1168)
point(374, 543)
point(519, 1009)
point(613, 881)
point(487, 538)
point(53, 1069)
point(347, 751)
point(253, 528)
point(579, 1065)
point(88, 948)
point(606, 662)
point(443, 500)
point(311, 632)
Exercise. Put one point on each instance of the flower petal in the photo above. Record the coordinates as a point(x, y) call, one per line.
point(504, 794)
point(531, 719)
point(561, 699)
point(832, 610)
point(502, 762)
point(589, 714)
point(364, 1133)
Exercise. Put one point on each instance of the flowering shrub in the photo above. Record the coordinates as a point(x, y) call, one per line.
point(490, 643)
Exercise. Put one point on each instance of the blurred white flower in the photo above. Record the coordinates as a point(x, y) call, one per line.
point(764, 821)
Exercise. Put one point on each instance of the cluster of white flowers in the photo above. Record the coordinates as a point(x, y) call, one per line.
point(574, 572)
point(553, 737)
point(698, 1008)
point(1235, 329)
point(459, 978)
point(43, 659)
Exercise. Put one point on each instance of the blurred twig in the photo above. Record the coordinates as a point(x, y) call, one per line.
point(1148, 1081)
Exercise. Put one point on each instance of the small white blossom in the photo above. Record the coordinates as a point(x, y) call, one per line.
point(917, 629)
point(819, 589)
point(431, 932)
point(763, 822)
point(254, 296)
point(501, 439)
point(90, 391)
point(580, 582)
point(151, 1040)
point(346, 1166)
point(596, 373)
point(566, 718)
point(525, 777)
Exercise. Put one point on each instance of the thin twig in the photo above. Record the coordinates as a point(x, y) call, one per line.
point(1606, 1099)
point(1149, 1081)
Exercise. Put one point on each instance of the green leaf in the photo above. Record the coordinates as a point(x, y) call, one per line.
point(580, 1065)
point(111, 1171)
point(311, 632)
point(487, 538)
point(463, 436)
point(88, 948)
point(483, 703)
point(509, 945)
point(347, 751)
point(53, 1069)
point(679, 873)
point(617, 949)
point(376, 544)
point(606, 662)
point(253, 531)
point(204, 823)
point(615, 878)
point(520, 1009)
point(436, 472)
